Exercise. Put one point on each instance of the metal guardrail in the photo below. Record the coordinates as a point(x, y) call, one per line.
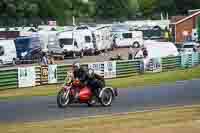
point(9, 77)
point(62, 72)
point(127, 68)
point(171, 63)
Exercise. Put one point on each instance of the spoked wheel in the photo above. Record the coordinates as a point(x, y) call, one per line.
point(106, 98)
point(63, 99)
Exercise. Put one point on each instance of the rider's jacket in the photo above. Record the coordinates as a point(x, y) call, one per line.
point(81, 74)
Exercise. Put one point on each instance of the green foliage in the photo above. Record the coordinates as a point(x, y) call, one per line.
point(16, 11)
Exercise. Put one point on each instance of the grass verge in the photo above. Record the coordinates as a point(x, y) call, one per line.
point(140, 80)
point(145, 122)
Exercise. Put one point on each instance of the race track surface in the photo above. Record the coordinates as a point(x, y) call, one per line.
point(129, 100)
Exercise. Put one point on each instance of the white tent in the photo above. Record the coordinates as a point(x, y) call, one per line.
point(158, 49)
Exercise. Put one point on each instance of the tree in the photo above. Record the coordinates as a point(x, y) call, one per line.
point(147, 7)
point(168, 6)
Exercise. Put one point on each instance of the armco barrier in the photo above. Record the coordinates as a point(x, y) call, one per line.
point(38, 75)
point(8, 79)
point(190, 60)
point(62, 72)
point(171, 63)
point(127, 68)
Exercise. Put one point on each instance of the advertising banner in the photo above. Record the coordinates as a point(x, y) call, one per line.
point(97, 67)
point(52, 74)
point(153, 65)
point(26, 77)
point(44, 75)
point(110, 69)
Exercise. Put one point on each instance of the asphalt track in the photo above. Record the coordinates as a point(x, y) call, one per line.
point(129, 100)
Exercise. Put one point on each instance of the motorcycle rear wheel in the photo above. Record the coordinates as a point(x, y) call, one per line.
point(106, 98)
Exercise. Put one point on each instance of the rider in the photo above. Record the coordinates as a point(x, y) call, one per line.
point(93, 80)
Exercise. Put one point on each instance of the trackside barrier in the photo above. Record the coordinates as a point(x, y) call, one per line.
point(8, 79)
point(171, 63)
point(52, 74)
point(62, 72)
point(38, 75)
point(127, 68)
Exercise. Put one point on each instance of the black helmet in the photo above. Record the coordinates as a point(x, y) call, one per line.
point(76, 65)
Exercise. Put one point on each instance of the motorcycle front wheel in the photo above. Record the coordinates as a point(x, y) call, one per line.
point(63, 98)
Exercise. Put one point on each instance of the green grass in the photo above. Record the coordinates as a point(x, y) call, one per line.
point(126, 123)
point(155, 79)
point(131, 82)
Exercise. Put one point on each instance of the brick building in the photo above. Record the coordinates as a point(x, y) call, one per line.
point(182, 26)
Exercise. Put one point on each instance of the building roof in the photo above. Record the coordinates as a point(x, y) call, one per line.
point(186, 18)
point(175, 19)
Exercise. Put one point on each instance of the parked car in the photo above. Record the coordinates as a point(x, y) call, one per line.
point(8, 53)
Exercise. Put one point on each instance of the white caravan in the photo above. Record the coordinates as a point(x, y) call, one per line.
point(84, 37)
point(102, 40)
point(128, 38)
point(69, 45)
point(8, 53)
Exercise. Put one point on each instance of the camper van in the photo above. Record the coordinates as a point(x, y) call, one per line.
point(28, 48)
point(69, 44)
point(8, 53)
point(84, 37)
point(128, 38)
point(102, 38)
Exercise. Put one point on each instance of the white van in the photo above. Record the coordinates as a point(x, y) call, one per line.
point(8, 53)
point(103, 40)
point(69, 45)
point(128, 38)
point(83, 36)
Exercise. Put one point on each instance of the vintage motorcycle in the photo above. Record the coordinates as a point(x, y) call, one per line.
point(74, 92)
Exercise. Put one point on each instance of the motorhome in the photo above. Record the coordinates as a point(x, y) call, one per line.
point(8, 53)
point(84, 37)
point(69, 45)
